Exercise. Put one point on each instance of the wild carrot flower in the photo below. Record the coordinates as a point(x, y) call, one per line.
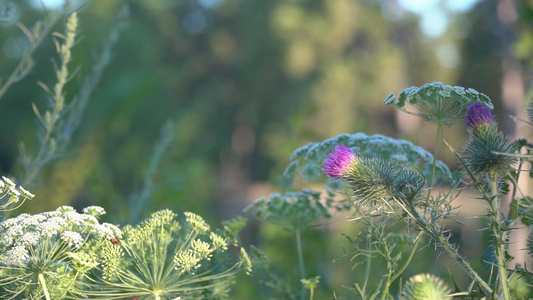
point(339, 162)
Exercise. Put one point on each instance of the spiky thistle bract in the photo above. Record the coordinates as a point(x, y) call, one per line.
point(484, 152)
point(373, 179)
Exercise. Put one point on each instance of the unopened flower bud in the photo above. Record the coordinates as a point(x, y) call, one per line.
point(425, 287)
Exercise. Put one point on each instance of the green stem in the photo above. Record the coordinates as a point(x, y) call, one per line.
point(70, 285)
point(300, 257)
point(388, 281)
point(368, 262)
point(43, 285)
point(437, 142)
point(22, 68)
point(312, 294)
point(499, 237)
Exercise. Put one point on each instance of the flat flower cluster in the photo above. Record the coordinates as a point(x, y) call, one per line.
point(12, 197)
point(64, 226)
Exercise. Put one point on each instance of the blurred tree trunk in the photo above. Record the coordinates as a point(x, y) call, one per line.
point(514, 105)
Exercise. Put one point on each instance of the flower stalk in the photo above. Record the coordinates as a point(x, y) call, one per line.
point(301, 263)
point(499, 238)
point(42, 282)
point(437, 143)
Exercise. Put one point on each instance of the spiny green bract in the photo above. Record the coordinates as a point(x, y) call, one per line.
point(371, 179)
point(168, 256)
point(483, 152)
point(307, 161)
point(437, 102)
point(375, 180)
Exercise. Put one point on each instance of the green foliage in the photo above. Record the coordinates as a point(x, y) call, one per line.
point(230, 121)
point(49, 121)
point(35, 37)
point(379, 250)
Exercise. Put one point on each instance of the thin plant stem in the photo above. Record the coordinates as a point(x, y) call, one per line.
point(52, 116)
point(311, 293)
point(499, 237)
point(437, 142)
point(43, 285)
point(388, 280)
point(408, 261)
point(368, 264)
point(300, 257)
point(24, 66)
point(70, 285)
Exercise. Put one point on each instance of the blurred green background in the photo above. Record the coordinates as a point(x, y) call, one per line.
point(246, 82)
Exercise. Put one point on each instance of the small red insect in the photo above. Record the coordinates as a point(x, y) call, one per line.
point(114, 241)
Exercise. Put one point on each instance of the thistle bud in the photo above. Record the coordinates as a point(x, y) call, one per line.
point(370, 179)
point(425, 287)
point(483, 149)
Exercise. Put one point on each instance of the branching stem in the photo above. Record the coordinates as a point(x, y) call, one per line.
point(439, 239)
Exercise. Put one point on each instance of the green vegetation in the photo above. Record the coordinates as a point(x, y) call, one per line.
point(129, 126)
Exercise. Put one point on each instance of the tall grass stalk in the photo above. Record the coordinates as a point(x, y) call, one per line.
point(35, 37)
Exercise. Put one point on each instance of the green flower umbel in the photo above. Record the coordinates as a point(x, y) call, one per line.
point(482, 151)
point(425, 287)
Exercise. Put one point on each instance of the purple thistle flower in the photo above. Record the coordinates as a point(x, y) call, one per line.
point(339, 161)
point(478, 114)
